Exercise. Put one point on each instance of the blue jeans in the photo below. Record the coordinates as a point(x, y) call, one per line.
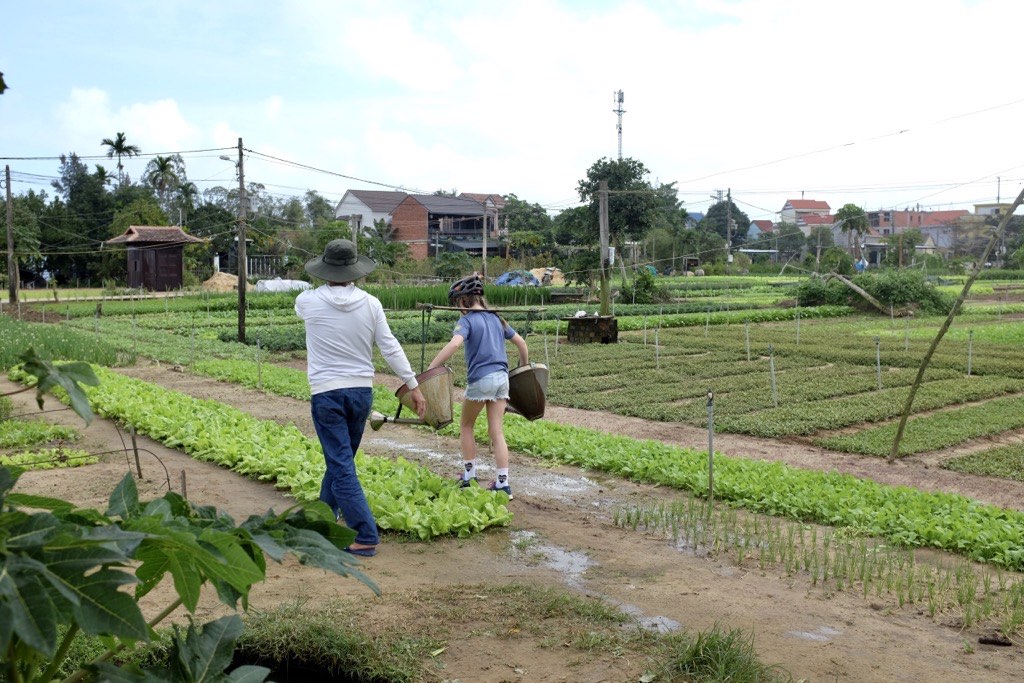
point(340, 419)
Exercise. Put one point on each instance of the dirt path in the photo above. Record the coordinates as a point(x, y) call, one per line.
point(562, 535)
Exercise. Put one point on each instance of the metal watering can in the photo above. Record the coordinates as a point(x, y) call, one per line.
point(437, 388)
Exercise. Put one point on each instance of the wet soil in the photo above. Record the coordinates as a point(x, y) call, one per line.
point(562, 535)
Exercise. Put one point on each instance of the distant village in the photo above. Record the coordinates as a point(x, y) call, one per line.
point(430, 224)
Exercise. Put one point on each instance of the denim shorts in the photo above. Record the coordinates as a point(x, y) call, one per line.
point(490, 387)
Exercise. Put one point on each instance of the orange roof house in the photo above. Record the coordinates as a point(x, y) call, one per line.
point(795, 209)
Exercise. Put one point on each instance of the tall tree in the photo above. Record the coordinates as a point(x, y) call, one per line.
point(572, 226)
point(632, 203)
point(76, 225)
point(293, 214)
point(521, 216)
point(379, 244)
point(717, 219)
point(902, 248)
point(162, 176)
point(104, 175)
point(854, 223)
point(788, 239)
point(119, 147)
point(26, 211)
point(671, 214)
point(186, 199)
point(529, 226)
point(217, 225)
point(318, 209)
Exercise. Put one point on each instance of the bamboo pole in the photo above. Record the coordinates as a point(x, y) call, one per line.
point(949, 321)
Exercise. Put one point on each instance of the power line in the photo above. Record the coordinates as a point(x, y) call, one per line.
point(393, 186)
point(850, 144)
point(91, 157)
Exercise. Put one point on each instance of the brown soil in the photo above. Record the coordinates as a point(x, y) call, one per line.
point(563, 518)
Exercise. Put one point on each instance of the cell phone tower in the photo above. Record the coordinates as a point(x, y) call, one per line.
point(617, 98)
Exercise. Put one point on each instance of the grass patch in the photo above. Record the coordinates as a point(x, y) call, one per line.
point(331, 642)
point(718, 655)
point(402, 637)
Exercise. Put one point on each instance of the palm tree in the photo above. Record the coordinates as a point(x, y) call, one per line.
point(119, 147)
point(854, 223)
point(161, 175)
point(105, 176)
point(187, 194)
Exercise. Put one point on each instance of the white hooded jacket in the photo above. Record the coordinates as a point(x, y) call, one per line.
point(342, 324)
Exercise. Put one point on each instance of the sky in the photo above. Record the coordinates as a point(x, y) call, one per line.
point(883, 104)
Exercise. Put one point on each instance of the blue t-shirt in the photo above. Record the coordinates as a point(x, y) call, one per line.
point(485, 337)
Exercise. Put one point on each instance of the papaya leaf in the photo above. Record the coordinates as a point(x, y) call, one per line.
point(39, 502)
point(32, 612)
point(204, 653)
point(68, 376)
point(131, 673)
point(124, 501)
point(8, 478)
point(249, 674)
point(103, 609)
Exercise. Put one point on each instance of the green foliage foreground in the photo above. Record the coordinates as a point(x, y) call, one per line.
point(63, 570)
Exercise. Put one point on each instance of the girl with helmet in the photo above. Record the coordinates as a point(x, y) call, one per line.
point(484, 333)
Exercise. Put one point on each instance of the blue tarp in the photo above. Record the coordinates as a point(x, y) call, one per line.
point(517, 278)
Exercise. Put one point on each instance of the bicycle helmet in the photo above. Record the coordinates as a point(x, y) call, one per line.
point(467, 286)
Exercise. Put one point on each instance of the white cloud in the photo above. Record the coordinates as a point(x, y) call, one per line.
point(273, 107)
point(389, 47)
point(85, 115)
point(157, 126)
point(224, 134)
point(516, 97)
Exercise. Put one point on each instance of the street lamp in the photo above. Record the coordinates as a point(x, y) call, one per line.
point(242, 257)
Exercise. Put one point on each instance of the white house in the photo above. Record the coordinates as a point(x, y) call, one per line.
point(363, 208)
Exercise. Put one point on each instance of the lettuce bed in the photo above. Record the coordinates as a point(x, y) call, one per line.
point(901, 514)
point(404, 496)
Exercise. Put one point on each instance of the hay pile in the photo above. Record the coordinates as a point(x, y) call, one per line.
point(556, 275)
point(223, 282)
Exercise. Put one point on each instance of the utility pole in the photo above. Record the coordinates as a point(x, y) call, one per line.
point(243, 276)
point(484, 250)
point(728, 230)
point(12, 267)
point(618, 98)
point(1002, 240)
point(817, 253)
point(602, 222)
